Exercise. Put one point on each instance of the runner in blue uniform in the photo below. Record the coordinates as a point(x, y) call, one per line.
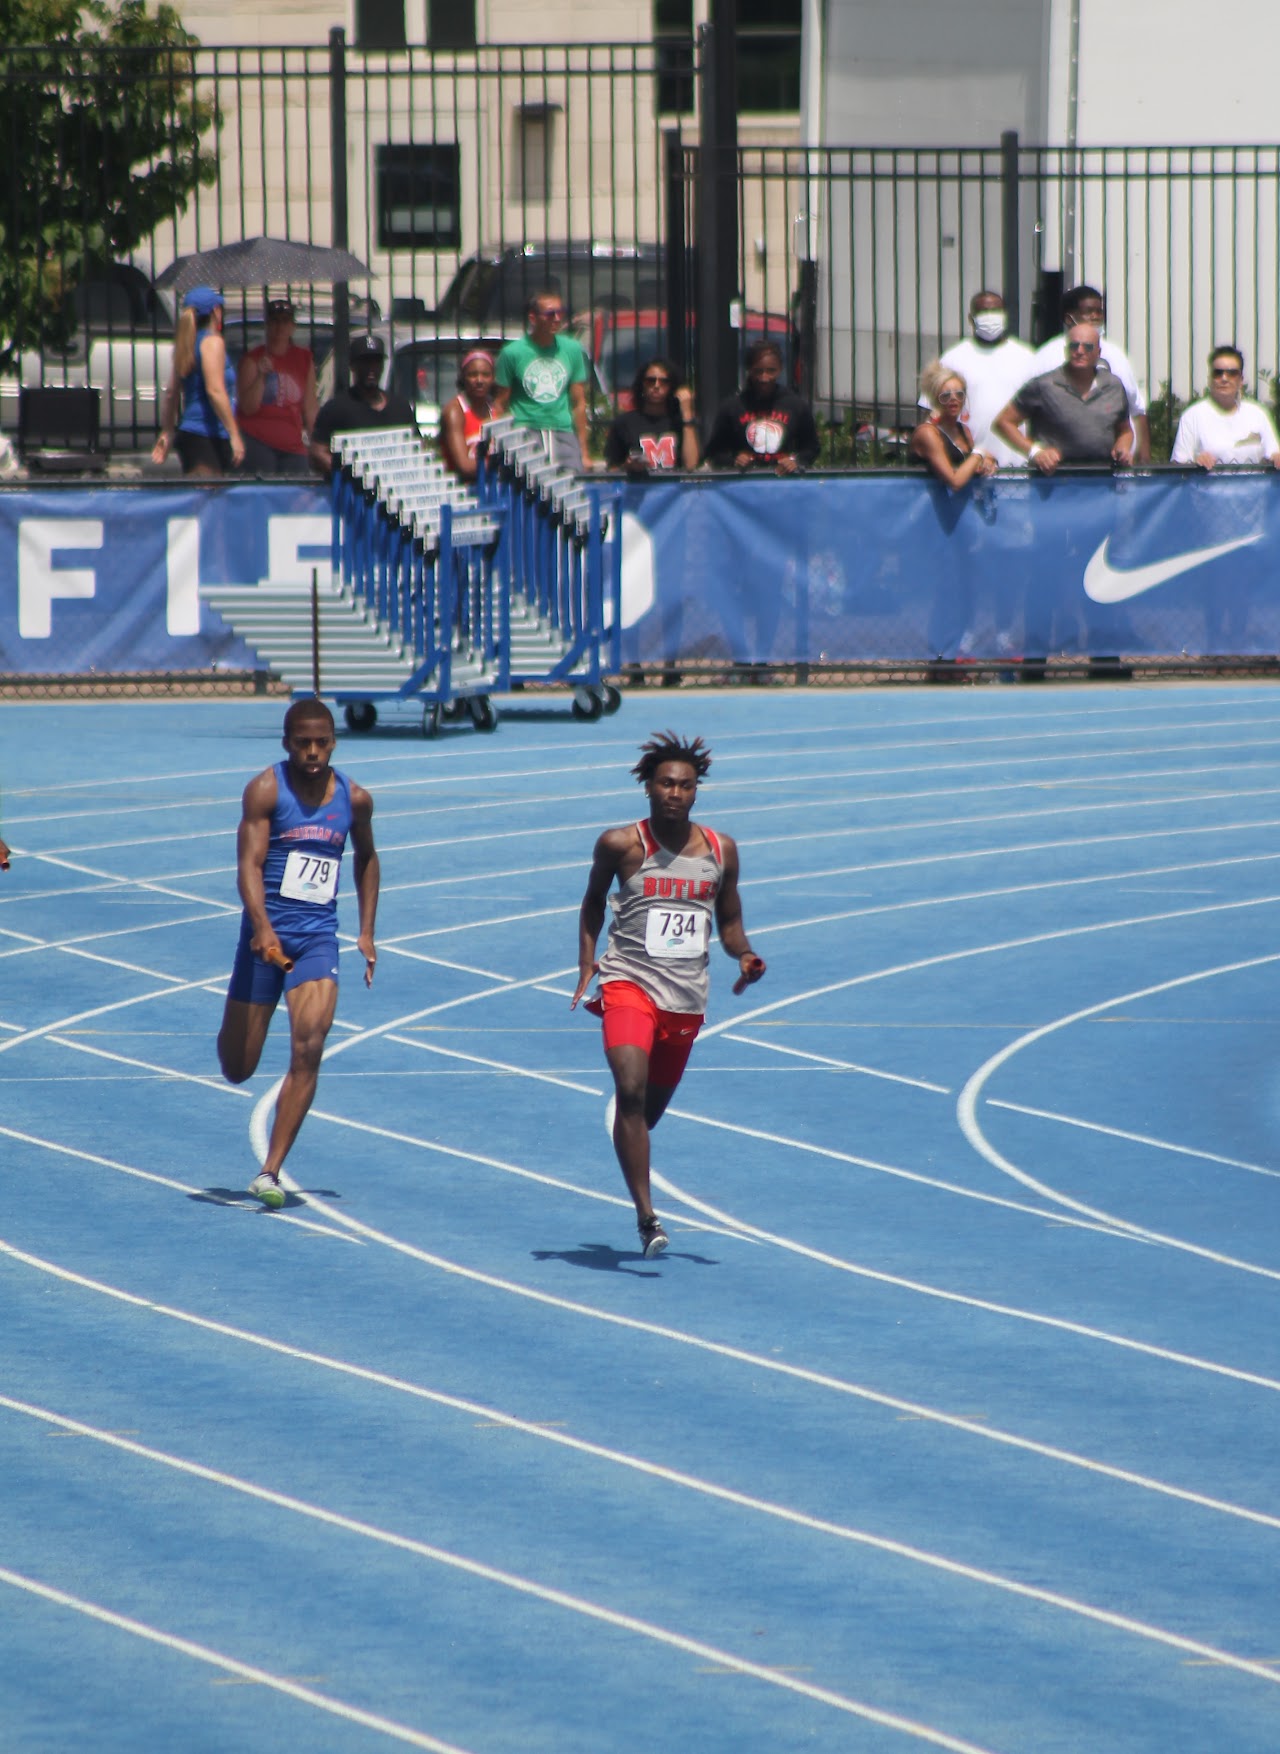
point(293, 831)
point(673, 877)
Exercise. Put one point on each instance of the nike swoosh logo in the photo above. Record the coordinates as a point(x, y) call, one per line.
point(1105, 583)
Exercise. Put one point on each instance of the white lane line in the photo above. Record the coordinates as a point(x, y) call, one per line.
point(1047, 1114)
point(578, 1605)
point(137, 930)
point(728, 812)
point(201, 1653)
point(917, 1410)
point(776, 1047)
point(1024, 942)
point(971, 1127)
point(250, 1209)
point(889, 1169)
point(857, 1537)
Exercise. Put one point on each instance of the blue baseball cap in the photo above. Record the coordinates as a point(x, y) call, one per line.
point(203, 300)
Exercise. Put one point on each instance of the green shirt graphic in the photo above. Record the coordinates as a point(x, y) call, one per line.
point(539, 379)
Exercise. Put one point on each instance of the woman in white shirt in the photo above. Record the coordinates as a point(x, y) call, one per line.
point(1225, 426)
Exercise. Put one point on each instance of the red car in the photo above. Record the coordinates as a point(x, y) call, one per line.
point(617, 341)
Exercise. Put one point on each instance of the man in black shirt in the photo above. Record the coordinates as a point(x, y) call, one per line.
point(365, 405)
point(763, 426)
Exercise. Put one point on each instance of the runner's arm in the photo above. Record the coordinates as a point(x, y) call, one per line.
point(733, 934)
point(604, 868)
point(368, 875)
point(252, 843)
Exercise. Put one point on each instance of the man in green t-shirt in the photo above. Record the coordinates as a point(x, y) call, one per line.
point(542, 383)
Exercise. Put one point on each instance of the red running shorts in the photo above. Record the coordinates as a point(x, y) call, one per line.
point(632, 1020)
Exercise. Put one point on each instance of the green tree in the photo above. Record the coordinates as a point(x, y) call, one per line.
point(102, 125)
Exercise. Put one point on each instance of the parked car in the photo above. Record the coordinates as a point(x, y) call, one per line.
point(422, 368)
point(616, 341)
point(491, 289)
point(120, 345)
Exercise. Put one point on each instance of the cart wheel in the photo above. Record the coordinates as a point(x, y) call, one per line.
point(587, 704)
point(431, 719)
point(360, 715)
point(612, 698)
point(483, 713)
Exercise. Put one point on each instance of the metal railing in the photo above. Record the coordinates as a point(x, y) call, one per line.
point(875, 253)
point(458, 174)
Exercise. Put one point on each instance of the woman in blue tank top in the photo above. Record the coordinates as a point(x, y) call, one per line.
point(208, 436)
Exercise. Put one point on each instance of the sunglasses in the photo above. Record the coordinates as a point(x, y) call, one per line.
point(1226, 371)
point(1082, 347)
point(650, 379)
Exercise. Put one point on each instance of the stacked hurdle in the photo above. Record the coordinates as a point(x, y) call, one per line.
point(416, 550)
point(560, 556)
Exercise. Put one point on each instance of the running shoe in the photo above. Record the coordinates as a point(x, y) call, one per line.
point(267, 1189)
point(653, 1238)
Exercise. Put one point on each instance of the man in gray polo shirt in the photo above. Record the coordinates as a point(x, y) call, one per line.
point(1077, 414)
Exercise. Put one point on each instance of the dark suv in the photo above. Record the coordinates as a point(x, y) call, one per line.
point(492, 289)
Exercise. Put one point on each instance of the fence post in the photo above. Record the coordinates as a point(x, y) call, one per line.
point(718, 209)
point(676, 341)
point(1009, 229)
point(338, 202)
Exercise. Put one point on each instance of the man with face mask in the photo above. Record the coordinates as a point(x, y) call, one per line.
point(994, 365)
point(1085, 304)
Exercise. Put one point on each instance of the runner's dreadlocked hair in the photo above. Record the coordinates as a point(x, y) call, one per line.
point(666, 746)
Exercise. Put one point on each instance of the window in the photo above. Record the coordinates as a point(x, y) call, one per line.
point(451, 24)
point(380, 24)
point(419, 197)
point(769, 55)
point(673, 43)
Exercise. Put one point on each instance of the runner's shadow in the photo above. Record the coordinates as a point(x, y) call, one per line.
point(239, 1197)
point(601, 1258)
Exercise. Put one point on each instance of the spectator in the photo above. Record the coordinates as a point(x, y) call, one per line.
point(1225, 426)
point(463, 418)
point(659, 430)
point(208, 437)
point(542, 383)
point(994, 365)
point(1085, 304)
point(276, 397)
point(763, 425)
point(943, 442)
point(1078, 413)
point(366, 404)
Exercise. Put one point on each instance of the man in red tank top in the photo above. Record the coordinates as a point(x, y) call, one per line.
point(673, 877)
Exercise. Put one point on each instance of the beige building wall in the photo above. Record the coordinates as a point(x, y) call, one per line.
point(557, 154)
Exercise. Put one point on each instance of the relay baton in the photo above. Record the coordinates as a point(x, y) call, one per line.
point(276, 955)
point(744, 980)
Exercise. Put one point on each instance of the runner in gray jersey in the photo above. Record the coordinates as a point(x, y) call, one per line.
point(673, 875)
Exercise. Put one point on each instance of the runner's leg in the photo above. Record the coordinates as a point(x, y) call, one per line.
point(630, 1068)
point(311, 1011)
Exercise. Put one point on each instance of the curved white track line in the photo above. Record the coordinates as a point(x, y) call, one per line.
point(970, 1126)
point(578, 1605)
point(915, 1410)
point(592, 1610)
point(230, 1665)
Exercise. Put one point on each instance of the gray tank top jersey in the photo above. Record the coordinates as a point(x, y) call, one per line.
point(660, 934)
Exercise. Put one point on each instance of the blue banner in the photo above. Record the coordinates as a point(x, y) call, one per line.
point(817, 569)
point(107, 579)
point(830, 569)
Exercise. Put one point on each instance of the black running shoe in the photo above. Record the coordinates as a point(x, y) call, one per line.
point(653, 1238)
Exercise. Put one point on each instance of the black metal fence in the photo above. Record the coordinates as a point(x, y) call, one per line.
point(463, 178)
point(876, 252)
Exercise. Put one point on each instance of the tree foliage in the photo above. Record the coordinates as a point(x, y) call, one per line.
point(102, 124)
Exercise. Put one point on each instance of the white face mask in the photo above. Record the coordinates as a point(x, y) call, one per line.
point(989, 325)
